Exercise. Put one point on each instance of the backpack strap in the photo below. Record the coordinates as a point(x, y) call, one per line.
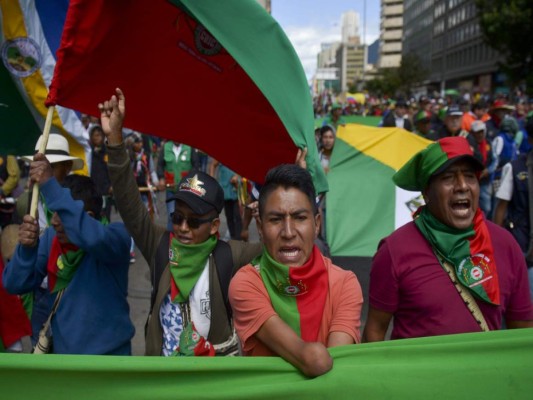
point(224, 264)
point(161, 261)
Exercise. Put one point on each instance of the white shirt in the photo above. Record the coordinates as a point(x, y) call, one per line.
point(176, 150)
point(172, 320)
point(399, 121)
point(505, 191)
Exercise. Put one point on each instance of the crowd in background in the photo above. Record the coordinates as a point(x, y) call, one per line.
point(493, 125)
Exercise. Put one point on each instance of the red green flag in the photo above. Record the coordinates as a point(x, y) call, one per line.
point(220, 76)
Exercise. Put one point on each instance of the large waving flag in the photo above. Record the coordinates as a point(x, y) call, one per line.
point(363, 204)
point(29, 37)
point(220, 76)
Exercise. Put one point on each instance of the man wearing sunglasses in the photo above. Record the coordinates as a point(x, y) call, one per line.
point(190, 268)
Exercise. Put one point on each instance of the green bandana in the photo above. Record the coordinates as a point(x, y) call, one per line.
point(186, 263)
point(48, 214)
point(469, 251)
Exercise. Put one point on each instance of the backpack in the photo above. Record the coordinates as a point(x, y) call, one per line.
point(223, 261)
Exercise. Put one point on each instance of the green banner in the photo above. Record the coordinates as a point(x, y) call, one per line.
point(492, 365)
point(354, 119)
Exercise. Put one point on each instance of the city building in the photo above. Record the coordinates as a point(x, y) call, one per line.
point(349, 26)
point(446, 36)
point(351, 63)
point(327, 74)
point(391, 27)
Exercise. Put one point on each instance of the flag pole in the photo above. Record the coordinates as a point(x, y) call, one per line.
point(42, 149)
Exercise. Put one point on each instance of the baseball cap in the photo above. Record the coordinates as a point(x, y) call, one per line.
point(201, 192)
point(478, 126)
point(454, 111)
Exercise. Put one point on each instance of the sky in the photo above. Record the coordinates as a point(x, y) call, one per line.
point(308, 23)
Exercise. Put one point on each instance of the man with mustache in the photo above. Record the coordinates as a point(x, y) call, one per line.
point(450, 270)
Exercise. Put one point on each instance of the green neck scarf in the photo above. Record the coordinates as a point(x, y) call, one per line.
point(48, 214)
point(469, 251)
point(186, 263)
point(298, 294)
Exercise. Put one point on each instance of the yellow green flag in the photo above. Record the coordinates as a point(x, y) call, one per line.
point(363, 204)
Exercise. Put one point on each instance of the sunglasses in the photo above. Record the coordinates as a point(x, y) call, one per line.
point(193, 223)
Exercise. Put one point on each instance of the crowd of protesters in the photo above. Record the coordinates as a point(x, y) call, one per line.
point(493, 125)
point(194, 309)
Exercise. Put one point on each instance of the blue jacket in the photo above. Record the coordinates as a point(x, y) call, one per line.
point(93, 315)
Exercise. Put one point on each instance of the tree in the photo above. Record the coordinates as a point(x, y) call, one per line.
point(507, 27)
point(411, 73)
point(399, 81)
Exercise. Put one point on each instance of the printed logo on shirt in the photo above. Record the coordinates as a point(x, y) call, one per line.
point(522, 176)
point(205, 305)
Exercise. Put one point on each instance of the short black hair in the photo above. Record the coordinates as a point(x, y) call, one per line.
point(83, 188)
point(326, 128)
point(96, 128)
point(481, 104)
point(288, 176)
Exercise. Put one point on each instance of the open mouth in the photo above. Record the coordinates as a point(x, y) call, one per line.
point(461, 207)
point(289, 253)
point(184, 239)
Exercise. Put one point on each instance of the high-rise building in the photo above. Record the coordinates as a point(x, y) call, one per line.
point(349, 26)
point(390, 39)
point(351, 63)
point(446, 36)
point(327, 75)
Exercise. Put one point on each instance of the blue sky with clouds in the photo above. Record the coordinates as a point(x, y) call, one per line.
point(308, 23)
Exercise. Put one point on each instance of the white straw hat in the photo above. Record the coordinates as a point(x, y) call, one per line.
point(57, 150)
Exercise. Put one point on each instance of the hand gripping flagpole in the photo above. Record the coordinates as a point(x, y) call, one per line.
point(42, 149)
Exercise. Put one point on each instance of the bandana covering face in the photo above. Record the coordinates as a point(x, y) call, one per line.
point(186, 263)
point(298, 294)
point(469, 251)
point(63, 263)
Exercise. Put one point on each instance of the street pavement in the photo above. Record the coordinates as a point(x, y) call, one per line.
point(139, 278)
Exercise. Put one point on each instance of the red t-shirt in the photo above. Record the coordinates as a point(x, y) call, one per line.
point(407, 280)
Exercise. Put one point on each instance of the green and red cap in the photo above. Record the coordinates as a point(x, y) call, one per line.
point(434, 159)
